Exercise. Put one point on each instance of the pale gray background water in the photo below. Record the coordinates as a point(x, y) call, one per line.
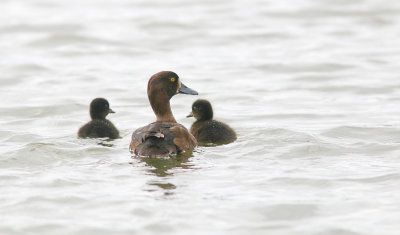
point(312, 88)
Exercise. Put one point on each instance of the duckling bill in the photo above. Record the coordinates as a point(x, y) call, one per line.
point(207, 130)
point(99, 126)
point(164, 136)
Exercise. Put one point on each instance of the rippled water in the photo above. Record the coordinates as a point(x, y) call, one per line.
point(311, 87)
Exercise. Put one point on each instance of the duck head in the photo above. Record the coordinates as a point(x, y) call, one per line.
point(201, 110)
point(100, 108)
point(161, 88)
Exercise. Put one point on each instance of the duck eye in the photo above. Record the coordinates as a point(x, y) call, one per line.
point(172, 79)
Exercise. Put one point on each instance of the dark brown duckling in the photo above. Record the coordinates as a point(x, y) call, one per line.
point(99, 126)
point(207, 130)
point(165, 136)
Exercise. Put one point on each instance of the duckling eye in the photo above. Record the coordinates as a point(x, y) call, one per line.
point(172, 79)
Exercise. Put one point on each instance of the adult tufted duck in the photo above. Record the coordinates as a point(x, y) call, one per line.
point(165, 136)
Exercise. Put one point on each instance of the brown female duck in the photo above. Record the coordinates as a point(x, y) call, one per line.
point(99, 126)
point(165, 136)
point(207, 130)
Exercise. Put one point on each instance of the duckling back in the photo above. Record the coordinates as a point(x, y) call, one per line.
point(213, 131)
point(98, 129)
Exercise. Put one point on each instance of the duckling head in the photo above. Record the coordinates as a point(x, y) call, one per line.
point(201, 110)
point(100, 108)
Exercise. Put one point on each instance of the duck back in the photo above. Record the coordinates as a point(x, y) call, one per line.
point(212, 131)
point(160, 139)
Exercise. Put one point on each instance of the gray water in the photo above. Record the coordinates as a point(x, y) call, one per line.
point(311, 87)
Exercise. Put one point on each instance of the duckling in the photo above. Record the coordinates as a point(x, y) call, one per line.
point(99, 126)
point(164, 136)
point(207, 130)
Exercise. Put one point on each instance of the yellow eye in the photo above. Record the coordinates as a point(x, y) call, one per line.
point(172, 79)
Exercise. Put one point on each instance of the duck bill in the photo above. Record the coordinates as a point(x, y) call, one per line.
point(190, 115)
point(110, 111)
point(186, 90)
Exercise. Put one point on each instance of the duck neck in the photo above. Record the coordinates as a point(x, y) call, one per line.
point(161, 107)
point(95, 116)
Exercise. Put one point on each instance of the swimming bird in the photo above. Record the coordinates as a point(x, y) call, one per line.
point(207, 130)
point(99, 126)
point(164, 136)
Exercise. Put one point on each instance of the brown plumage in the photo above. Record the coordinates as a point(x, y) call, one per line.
point(165, 136)
point(205, 129)
point(99, 126)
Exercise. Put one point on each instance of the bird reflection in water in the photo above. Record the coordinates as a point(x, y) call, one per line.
point(161, 167)
point(106, 142)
